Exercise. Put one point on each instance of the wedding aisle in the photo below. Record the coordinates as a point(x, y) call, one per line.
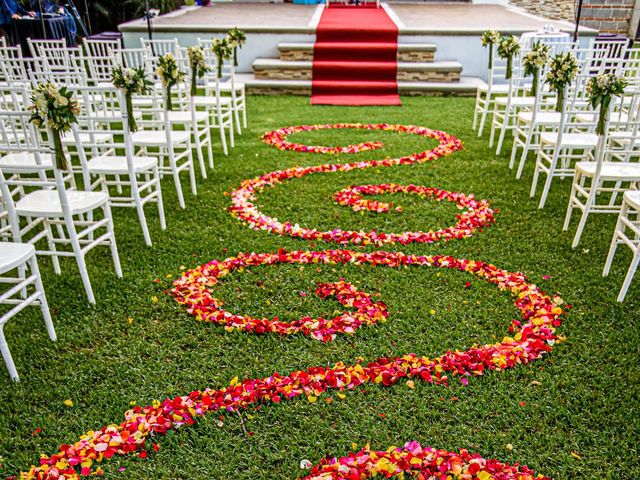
point(356, 277)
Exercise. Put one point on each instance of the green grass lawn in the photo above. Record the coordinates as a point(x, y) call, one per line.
point(580, 416)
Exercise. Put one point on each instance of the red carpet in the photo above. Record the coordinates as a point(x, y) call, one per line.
point(355, 57)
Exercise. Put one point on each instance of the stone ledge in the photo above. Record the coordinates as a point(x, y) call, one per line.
point(407, 52)
point(275, 69)
point(467, 86)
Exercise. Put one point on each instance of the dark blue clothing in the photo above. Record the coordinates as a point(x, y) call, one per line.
point(49, 6)
point(8, 8)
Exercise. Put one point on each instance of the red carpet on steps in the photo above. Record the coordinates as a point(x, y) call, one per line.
point(355, 57)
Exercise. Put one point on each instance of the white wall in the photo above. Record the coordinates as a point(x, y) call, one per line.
point(259, 45)
point(466, 49)
point(463, 47)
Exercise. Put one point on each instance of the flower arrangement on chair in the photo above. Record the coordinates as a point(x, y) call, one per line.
point(237, 38)
point(56, 109)
point(489, 39)
point(199, 67)
point(221, 47)
point(169, 74)
point(533, 61)
point(507, 48)
point(601, 89)
point(563, 69)
point(131, 81)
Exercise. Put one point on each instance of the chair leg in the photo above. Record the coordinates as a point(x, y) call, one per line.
point(22, 274)
point(572, 199)
point(232, 140)
point(536, 174)
point(196, 138)
point(176, 178)
point(485, 111)
point(612, 251)
point(44, 305)
point(614, 195)
point(163, 221)
point(475, 112)
point(140, 209)
point(514, 148)
point(52, 248)
point(503, 130)
point(547, 183)
point(82, 265)
point(244, 110)
point(223, 137)
point(590, 201)
point(112, 243)
point(192, 169)
point(630, 273)
point(6, 355)
point(209, 143)
point(236, 114)
point(525, 151)
point(492, 135)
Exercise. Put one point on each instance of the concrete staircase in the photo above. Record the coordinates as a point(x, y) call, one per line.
point(418, 72)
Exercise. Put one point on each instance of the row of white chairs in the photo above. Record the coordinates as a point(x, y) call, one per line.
point(604, 169)
point(93, 65)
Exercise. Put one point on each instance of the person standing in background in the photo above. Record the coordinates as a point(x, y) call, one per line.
point(11, 10)
point(54, 7)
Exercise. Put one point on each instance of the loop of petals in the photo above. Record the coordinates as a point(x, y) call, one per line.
point(479, 214)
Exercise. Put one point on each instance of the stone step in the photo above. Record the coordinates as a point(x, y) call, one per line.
point(407, 52)
point(467, 86)
point(276, 69)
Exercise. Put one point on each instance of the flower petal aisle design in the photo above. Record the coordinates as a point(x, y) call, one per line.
point(478, 216)
point(528, 338)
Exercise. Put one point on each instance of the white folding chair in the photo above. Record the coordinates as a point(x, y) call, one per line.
point(507, 107)
point(486, 94)
point(529, 124)
point(136, 179)
point(156, 138)
point(219, 107)
point(232, 86)
point(22, 291)
point(197, 121)
point(592, 181)
point(628, 219)
point(572, 140)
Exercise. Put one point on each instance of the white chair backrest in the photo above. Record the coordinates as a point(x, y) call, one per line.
point(601, 57)
point(13, 67)
point(136, 58)
point(36, 174)
point(66, 67)
point(54, 53)
point(101, 48)
point(16, 131)
point(158, 48)
point(101, 56)
point(99, 102)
